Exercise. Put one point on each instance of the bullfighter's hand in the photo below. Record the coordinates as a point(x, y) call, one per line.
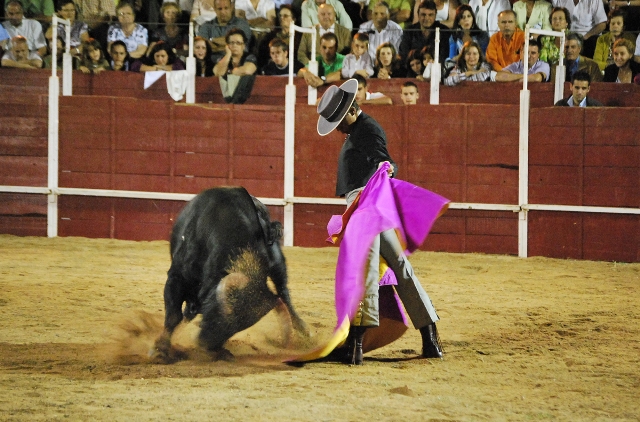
point(389, 170)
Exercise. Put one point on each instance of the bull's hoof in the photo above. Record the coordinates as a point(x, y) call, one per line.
point(166, 356)
point(225, 355)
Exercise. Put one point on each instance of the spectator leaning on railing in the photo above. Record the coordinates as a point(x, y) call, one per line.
point(19, 55)
point(30, 29)
point(538, 70)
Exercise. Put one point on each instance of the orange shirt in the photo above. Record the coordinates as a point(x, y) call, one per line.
point(500, 53)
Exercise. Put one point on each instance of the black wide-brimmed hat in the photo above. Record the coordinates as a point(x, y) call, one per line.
point(334, 104)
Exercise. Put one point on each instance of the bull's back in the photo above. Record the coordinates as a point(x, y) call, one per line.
point(218, 219)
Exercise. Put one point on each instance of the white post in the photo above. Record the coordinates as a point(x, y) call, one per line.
point(52, 177)
point(560, 68)
point(523, 173)
point(289, 159)
point(289, 143)
point(561, 73)
point(67, 61)
point(523, 165)
point(191, 70)
point(436, 73)
point(313, 68)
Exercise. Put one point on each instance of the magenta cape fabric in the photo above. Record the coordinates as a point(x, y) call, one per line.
point(385, 204)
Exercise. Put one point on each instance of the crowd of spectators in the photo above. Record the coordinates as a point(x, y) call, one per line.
point(479, 40)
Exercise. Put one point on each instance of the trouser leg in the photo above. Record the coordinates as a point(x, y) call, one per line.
point(414, 298)
point(368, 312)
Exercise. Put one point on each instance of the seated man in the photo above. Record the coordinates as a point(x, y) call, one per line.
point(363, 96)
point(399, 11)
point(19, 56)
point(580, 86)
point(381, 29)
point(409, 92)
point(327, 23)
point(279, 63)
point(423, 33)
point(216, 30)
point(30, 29)
point(329, 63)
point(504, 46)
point(309, 13)
point(576, 62)
point(538, 70)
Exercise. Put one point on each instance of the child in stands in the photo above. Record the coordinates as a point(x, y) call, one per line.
point(93, 60)
point(358, 62)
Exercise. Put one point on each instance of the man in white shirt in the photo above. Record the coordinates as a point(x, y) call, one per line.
point(326, 23)
point(30, 29)
point(588, 19)
point(381, 29)
point(486, 13)
point(309, 13)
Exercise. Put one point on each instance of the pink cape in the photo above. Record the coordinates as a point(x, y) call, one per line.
point(383, 204)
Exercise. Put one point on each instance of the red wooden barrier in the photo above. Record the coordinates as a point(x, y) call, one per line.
point(466, 152)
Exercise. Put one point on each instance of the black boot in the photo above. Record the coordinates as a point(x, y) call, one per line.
point(358, 335)
point(431, 342)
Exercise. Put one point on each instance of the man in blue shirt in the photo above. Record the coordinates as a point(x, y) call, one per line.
point(538, 71)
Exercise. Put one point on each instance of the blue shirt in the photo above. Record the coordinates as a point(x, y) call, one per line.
point(538, 67)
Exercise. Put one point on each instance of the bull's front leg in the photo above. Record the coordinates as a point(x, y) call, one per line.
point(173, 299)
point(278, 274)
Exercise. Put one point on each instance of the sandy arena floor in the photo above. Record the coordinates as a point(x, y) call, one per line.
point(525, 339)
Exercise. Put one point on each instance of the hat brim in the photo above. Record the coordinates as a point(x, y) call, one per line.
point(325, 126)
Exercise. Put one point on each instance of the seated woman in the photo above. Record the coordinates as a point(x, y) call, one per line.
point(471, 66)
point(170, 33)
point(66, 9)
point(414, 64)
point(134, 36)
point(93, 60)
point(560, 19)
point(162, 57)
point(235, 61)
point(120, 59)
point(465, 29)
point(388, 64)
point(534, 13)
point(604, 46)
point(624, 69)
point(202, 53)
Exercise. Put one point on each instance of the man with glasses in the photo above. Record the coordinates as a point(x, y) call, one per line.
point(216, 29)
point(18, 25)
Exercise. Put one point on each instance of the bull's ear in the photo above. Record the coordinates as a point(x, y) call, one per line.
point(275, 232)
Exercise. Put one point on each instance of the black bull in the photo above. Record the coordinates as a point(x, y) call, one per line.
point(211, 233)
